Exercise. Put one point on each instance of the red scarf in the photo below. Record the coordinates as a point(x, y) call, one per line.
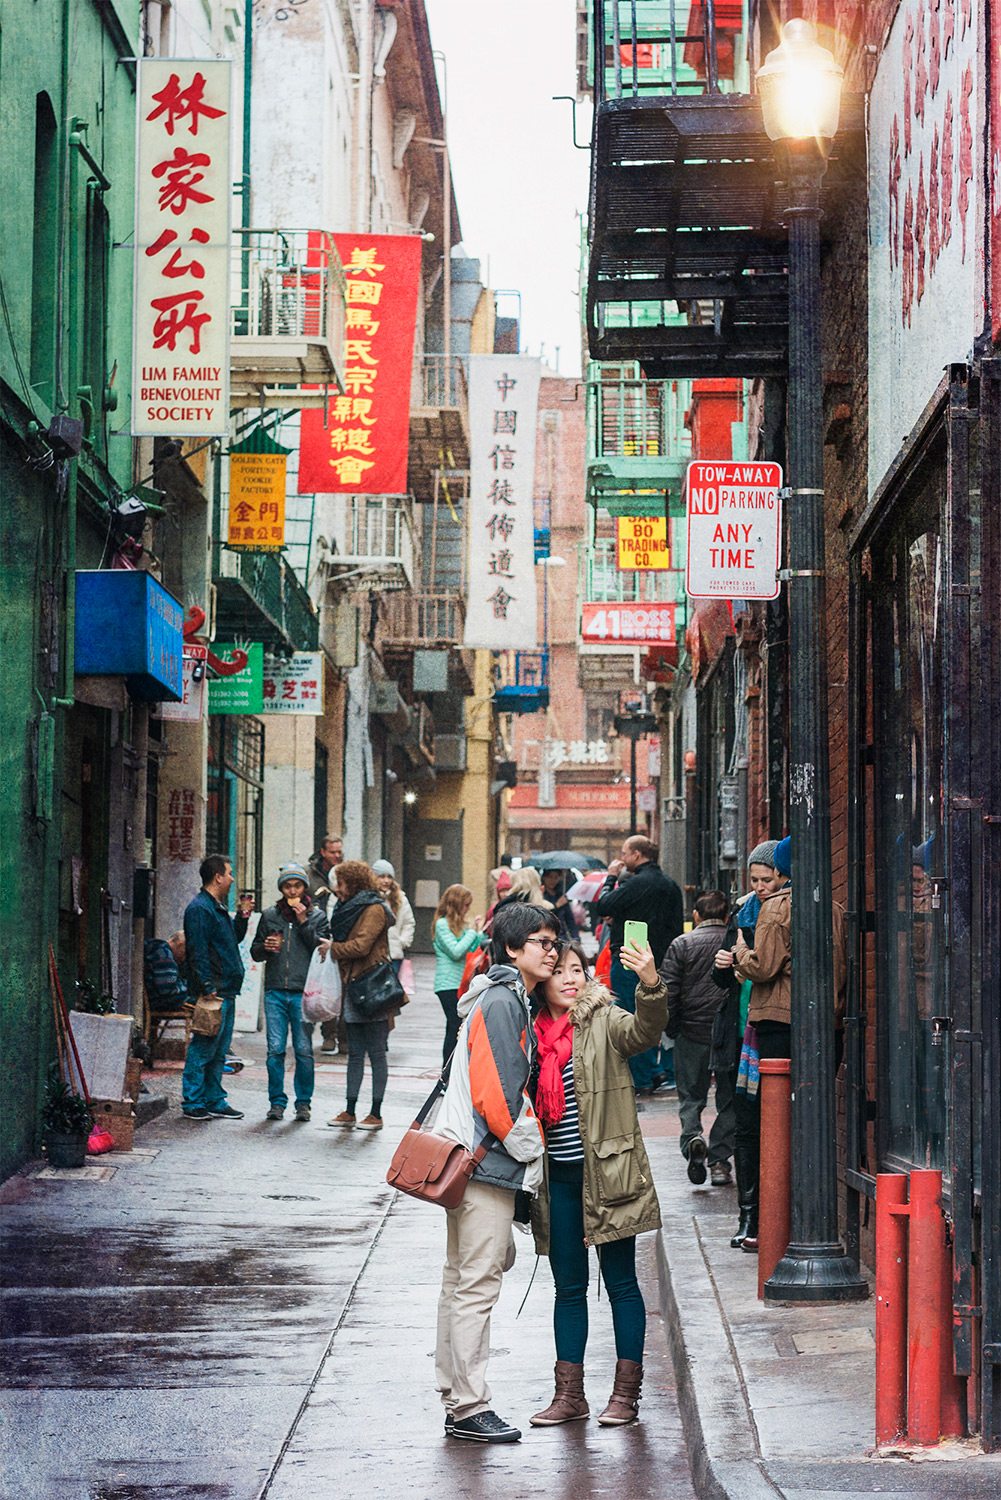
point(555, 1039)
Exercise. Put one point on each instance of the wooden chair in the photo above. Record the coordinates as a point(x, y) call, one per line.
point(155, 1023)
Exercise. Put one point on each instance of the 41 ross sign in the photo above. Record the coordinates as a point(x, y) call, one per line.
point(734, 535)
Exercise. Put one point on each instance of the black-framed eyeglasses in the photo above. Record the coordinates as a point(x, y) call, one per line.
point(546, 944)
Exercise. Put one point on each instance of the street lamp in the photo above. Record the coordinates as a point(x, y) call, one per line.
point(800, 89)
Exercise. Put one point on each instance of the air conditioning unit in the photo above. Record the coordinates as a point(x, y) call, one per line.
point(450, 752)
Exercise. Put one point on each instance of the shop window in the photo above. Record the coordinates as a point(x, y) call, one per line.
point(235, 813)
point(907, 652)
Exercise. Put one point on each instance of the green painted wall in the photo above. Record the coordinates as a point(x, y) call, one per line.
point(65, 325)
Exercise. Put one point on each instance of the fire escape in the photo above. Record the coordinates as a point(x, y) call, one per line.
point(688, 248)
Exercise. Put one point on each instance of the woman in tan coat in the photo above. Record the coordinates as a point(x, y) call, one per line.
point(359, 926)
point(598, 1188)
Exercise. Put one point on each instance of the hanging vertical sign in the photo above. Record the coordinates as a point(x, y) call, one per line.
point(503, 405)
point(641, 543)
point(180, 353)
point(241, 692)
point(358, 444)
point(257, 494)
point(295, 685)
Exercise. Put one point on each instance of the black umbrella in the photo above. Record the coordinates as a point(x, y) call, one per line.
point(564, 859)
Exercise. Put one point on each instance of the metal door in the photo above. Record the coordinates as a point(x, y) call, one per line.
point(433, 862)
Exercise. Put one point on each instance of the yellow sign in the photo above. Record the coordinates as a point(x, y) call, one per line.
point(257, 501)
point(642, 543)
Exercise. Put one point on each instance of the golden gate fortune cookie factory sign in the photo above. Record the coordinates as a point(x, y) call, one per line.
point(180, 355)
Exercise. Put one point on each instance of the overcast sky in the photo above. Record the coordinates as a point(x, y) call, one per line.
point(520, 185)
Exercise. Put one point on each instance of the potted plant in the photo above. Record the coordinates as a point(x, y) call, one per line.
point(91, 1000)
point(102, 1038)
point(68, 1121)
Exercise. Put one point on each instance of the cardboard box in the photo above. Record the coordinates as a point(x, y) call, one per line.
point(118, 1118)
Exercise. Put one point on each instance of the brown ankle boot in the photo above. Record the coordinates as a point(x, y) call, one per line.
point(568, 1403)
point(624, 1405)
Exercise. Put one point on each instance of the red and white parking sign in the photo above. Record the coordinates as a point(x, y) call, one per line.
point(734, 534)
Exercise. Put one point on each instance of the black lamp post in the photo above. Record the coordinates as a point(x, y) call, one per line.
point(800, 88)
point(634, 724)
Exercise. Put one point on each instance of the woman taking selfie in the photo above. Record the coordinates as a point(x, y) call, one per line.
point(598, 1188)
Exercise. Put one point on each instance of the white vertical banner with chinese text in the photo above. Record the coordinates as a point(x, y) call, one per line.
point(501, 592)
point(926, 294)
point(180, 355)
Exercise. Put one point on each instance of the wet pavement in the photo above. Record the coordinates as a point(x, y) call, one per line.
point(245, 1311)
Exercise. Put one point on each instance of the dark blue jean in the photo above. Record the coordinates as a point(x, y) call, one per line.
point(282, 1014)
point(201, 1085)
point(568, 1258)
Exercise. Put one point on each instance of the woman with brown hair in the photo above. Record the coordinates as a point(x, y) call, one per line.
point(453, 938)
point(359, 925)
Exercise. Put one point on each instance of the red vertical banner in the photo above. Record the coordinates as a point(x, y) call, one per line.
point(359, 445)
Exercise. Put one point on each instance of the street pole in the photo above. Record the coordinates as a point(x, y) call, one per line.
point(815, 1267)
point(632, 783)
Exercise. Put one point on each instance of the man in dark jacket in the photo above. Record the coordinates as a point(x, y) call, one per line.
point(286, 937)
point(321, 870)
point(693, 999)
point(637, 891)
point(215, 972)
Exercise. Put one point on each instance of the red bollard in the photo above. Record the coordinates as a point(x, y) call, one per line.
point(953, 1421)
point(773, 1188)
point(891, 1306)
point(924, 1308)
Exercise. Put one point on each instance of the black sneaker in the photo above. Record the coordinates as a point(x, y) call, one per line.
point(226, 1113)
point(196, 1114)
point(697, 1153)
point(485, 1427)
point(449, 1423)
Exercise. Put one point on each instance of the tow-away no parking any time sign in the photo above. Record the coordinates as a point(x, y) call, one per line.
point(734, 535)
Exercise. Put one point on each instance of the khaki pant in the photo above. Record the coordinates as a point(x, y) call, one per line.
point(479, 1252)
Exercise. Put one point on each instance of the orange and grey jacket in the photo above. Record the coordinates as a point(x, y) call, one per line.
point(487, 1085)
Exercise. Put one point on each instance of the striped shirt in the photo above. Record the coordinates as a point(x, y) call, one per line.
point(563, 1140)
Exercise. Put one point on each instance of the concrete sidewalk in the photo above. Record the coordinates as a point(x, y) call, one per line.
point(776, 1400)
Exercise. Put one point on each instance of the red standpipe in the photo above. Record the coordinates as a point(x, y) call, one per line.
point(773, 1189)
point(926, 1247)
point(891, 1306)
point(953, 1420)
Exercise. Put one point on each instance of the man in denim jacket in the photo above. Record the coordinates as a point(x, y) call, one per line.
point(215, 971)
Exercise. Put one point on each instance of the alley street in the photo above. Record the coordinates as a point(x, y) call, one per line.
point(243, 1310)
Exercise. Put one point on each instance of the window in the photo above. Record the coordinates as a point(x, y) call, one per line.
point(44, 253)
point(907, 644)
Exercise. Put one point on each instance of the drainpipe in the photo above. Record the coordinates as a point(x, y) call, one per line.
point(248, 76)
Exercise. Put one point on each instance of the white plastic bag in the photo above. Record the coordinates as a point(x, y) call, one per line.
point(321, 998)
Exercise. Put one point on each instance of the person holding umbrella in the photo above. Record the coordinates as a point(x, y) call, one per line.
point(554, 888)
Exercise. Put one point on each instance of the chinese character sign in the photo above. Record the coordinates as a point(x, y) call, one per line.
point(295, 686)
point(182, 815)
point(359, 443)
point(256, 501)
point(503, 404)
point(626, 624)
point(926, 259)
point(180, 356)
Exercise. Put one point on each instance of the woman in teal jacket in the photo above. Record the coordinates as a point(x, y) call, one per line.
point(453, 939)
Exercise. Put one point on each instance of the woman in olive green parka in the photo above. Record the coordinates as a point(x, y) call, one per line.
point(598, 1188)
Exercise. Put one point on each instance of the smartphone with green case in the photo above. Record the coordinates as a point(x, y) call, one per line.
point(635, 935)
